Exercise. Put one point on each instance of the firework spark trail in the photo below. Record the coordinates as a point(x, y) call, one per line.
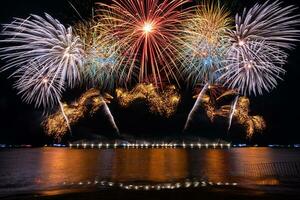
point(65, 116)
point(271, 21)
point(196, 107)
point(232, 112)
point(150, 31)
point(258, 47)
point(110, 117)
point(253, 68)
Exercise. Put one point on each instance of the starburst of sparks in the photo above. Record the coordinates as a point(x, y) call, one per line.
point(56, 52)
point(257, 54)
point(204, 42)
point(36, 85)
point(150, 29)
point(103, 57)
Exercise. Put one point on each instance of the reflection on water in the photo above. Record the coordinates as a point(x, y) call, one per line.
point(153, 165)
point(51, 167)
point(267, 181)
point(216, 166)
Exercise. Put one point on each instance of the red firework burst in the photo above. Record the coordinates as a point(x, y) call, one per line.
point(149, 32)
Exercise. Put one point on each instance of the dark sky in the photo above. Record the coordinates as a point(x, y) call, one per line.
point(19, 123)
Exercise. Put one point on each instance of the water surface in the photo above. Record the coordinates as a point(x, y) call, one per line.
point(27, 170)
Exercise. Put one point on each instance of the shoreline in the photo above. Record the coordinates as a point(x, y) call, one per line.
point(112, 194)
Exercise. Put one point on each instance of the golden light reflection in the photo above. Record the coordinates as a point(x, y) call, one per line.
point(83, 167)
point(244, 159)
point(267, 181)
point(161, 170)
point(59, 165)
point(216, 164)
point(155, 165)
point(130, 165)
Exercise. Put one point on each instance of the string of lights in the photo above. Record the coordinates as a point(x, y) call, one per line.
point(150, 145)
point(159, 186)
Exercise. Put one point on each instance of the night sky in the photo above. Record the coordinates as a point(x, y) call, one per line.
point(20, 123)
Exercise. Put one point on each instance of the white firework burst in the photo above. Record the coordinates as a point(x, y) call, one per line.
point(258, 52)
point(47, 42)
point(253, 68)
point(269, 22)
point(38, 85)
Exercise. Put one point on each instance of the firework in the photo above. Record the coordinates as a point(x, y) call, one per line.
point(165, 103)
point(102, 57)
point(88, 104)
point(233, 109)
point(40, 87)
point(204, 42)
point(257, 53)
point(252, 123)
point(196, 107)
point(55, 53)
point(37, 85)
point(271, 22)
point(160, 41)
point(238, 112)
point(205, 47)
point(209, 94)
point(45, 41)
point(150, 30)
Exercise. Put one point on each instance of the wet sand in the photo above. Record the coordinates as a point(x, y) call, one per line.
point(199, 194)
